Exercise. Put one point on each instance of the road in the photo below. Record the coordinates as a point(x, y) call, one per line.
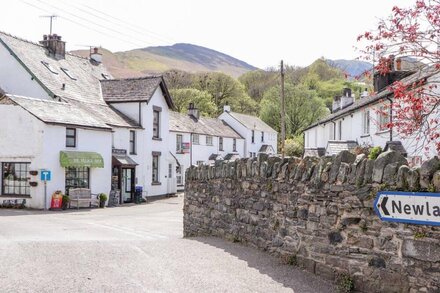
point(132, 249)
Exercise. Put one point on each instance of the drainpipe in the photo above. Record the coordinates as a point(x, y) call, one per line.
point(391, 117)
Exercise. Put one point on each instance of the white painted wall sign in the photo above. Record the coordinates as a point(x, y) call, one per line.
point(408, 207)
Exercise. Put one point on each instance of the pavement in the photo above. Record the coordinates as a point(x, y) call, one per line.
point(138, 248)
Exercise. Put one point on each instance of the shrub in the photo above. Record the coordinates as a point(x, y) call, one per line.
point(374, 152)
point(344, 283)
point(294, 147)
point(103, 197)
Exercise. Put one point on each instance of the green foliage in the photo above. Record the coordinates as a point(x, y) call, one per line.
point(103, 197)
point(419, 235)
point(294, 147)
point(201, 99)
point(344, 283)
point(303, 107)
point(257, 82)
point(374, 153)
point(65, 199)
point(292, 260)
point(431, 188)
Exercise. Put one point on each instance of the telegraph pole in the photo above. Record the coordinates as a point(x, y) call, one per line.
point(51, 19)
point(283, 112)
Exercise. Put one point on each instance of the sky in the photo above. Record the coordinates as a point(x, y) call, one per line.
point(259, 32)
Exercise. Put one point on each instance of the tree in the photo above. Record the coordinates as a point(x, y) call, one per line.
point(178, 79)
point(412, 33)
point(303, 108)
point(294, 147)
point(202, 100)
point(257, 82)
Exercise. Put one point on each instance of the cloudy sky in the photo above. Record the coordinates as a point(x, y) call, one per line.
point(259, 32)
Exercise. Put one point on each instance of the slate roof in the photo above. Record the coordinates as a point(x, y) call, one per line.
point(208, 126)
point(362, 102)
point(139, 89)
point(54, 112)
point(335, 147)
point(85, 88)
point(252, 122)
point(265, 148)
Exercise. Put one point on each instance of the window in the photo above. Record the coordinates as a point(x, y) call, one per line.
point(195, 139)
point(48, 66)
point(340, 129)
point(366, 122)
point(331, 132)
point(77, 178)
point(179, 175)
point(68, 73)
point(132, 142)
point(155, 173)
point(262, 136)
point(220, 143)
point(105, 76)
point(156, 123)
point(15, 180)
point(208, 140)
point(70, 137)
point(384, 118)
point(179, 140)
point(234, 145)
point(170, 170)
point(253, 136)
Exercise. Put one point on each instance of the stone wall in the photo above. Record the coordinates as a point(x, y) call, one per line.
point(318, 213)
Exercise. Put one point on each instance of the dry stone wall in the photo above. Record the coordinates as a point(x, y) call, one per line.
point(318, 214)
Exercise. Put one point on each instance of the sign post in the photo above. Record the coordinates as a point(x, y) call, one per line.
point(408, 207)
point(45, 175)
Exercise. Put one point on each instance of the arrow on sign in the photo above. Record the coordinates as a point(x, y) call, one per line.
point(383, 206)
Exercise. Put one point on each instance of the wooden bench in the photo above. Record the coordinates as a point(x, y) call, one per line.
point(80, 195)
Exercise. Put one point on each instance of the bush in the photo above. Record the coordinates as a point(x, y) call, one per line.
point(103, 197)
point(294, 147)
point(374, 152)
point(344, 283)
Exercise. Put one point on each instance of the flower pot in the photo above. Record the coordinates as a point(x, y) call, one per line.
point(102, 204)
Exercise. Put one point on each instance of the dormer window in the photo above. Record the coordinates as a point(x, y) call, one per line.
point(48, 66)
point(68, 73)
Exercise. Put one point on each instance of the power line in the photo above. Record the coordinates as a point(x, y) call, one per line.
point(91, 22)
point(80, 24)
point(133, 28)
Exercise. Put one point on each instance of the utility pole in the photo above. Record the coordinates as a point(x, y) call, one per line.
point(51, 19)
point(283, 112)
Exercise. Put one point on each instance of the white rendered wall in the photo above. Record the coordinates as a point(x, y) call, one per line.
point(15, 80)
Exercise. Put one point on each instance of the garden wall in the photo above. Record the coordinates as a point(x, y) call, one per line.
point(317, 213)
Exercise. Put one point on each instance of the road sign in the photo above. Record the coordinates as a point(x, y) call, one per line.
point(408, 207)
point(45, 175)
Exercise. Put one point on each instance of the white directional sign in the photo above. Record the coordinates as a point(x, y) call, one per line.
point(408, 207)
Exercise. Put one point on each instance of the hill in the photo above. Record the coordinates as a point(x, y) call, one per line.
point(352, 68)
point(186, 57)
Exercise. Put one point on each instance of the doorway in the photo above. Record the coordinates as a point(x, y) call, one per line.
point(127, 185)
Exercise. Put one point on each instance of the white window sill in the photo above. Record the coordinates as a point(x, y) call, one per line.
point(382, 131)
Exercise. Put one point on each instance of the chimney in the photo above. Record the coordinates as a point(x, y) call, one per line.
point(226, 108)
point(336, 104)
point(95, 56)
point(193, 111)
point(347, 98)
point(364, 93)
point(54, 45)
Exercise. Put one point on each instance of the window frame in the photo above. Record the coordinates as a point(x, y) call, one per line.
point(74, 136)
point(194, 140)
point(179, 146)
point(78, 170)
point(156, 122)
point(234, 144)
point(220, 144)
point(132, 142)
point(209, 140)
point(383, 118)
point(68, 73)
point(155, 169)
point(253, 136)
point(366, 122)
point(49, 67)
point(27, 187)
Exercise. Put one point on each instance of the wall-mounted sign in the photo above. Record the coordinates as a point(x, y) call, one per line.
point(408, 207)
point(119, 152)
point(45, 175)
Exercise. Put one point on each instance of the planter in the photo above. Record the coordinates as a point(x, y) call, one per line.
point(102, 204)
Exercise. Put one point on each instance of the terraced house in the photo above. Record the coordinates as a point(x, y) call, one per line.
point(64, 113)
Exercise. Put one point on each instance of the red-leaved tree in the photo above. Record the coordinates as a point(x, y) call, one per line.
point(412, 34)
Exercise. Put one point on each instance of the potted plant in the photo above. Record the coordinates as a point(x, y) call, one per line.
point(65, 202)
point(102, 199)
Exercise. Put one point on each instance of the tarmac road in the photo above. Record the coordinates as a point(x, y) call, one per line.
point(132, 249)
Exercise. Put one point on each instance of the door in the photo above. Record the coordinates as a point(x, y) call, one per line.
point(127, 188)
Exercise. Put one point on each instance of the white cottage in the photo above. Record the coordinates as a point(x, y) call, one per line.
point(363, 122)
point(259, 137)
point(195, 140)
point(54, 117)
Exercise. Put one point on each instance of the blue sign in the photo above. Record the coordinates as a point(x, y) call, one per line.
point(45, 175)
point(408, 207)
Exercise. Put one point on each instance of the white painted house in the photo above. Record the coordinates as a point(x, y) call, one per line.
point(363, 122)
point(196, 140)
point(259, 137)
point(54, 117)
